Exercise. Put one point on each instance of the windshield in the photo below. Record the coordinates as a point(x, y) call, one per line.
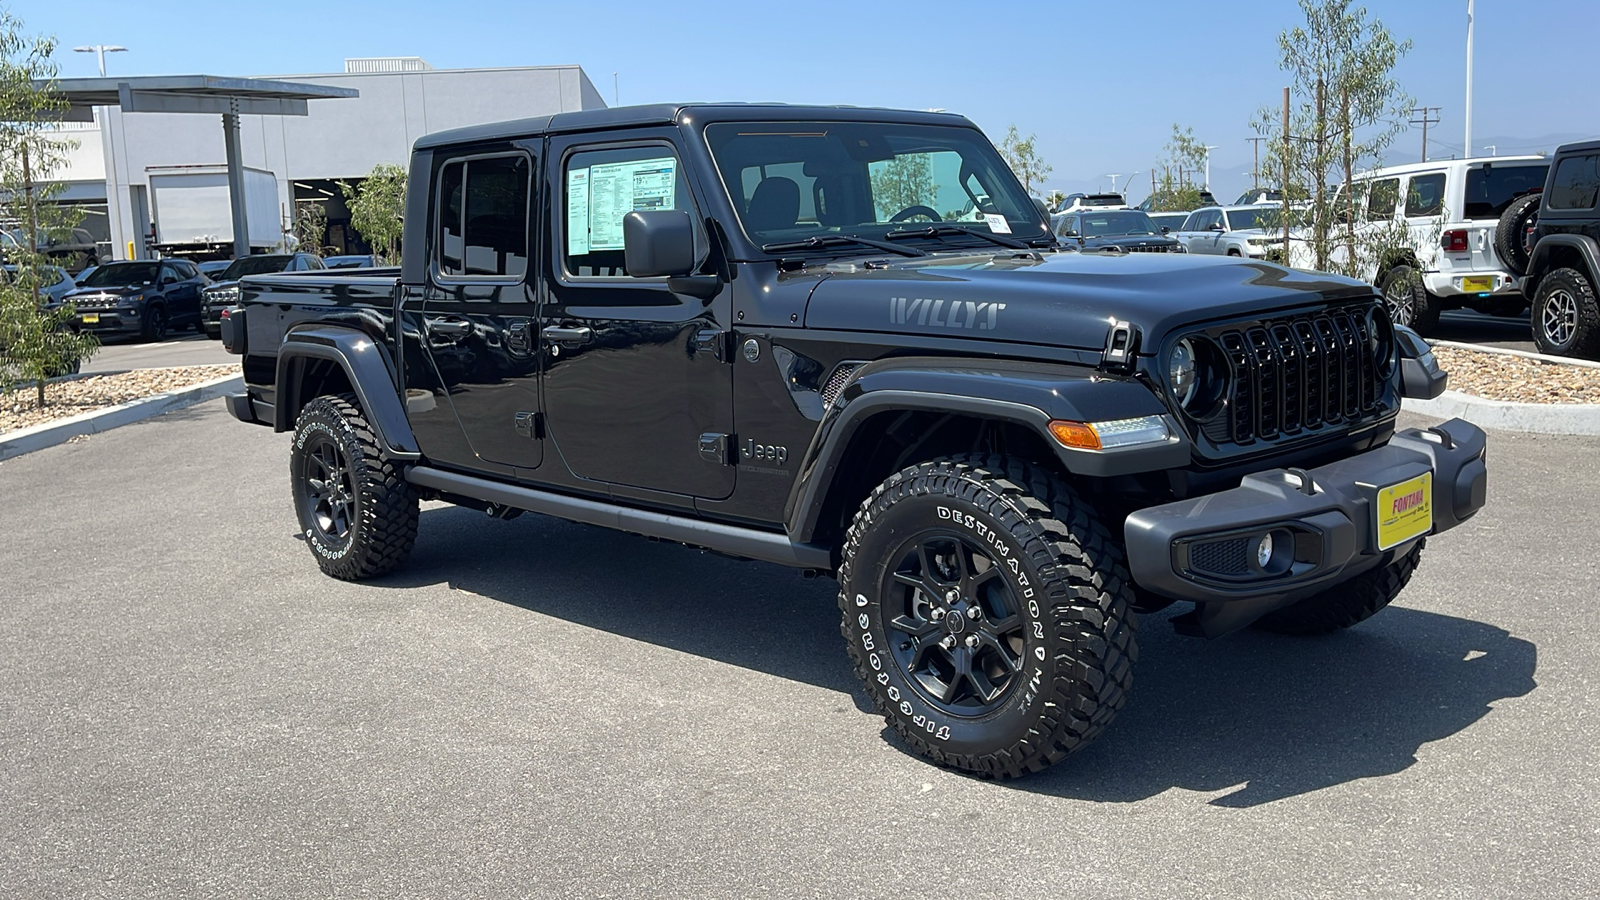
point(792, 181)
point(1252, 218)
point(254, 265)
point(122, 275)
point(1115, 223)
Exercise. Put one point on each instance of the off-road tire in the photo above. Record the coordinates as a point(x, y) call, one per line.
point(1565, 317)
point(1346, 604)
point(153, 325)
point(1409, 302)
point(382, 525)
point(1510, 235)
point(1074, 628)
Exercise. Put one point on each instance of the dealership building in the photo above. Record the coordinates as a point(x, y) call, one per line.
point(159, 179)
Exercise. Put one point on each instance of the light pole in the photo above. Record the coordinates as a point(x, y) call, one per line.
point(1208, 148)
point(1467, 144)
point(1114, 178)
point(100, 50)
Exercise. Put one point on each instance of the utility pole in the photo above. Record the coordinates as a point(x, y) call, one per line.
point(1467, 147)
point(1255, 168)
point(1429, 117)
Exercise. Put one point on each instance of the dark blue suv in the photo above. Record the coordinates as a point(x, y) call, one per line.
point(146, 297)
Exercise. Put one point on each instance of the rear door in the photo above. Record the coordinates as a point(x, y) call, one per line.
point(474, 321)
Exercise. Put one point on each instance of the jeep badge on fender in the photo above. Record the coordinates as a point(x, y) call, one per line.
point(1034, 446)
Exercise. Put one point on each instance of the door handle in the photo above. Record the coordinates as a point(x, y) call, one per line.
point(564, 333)
point(449, 327)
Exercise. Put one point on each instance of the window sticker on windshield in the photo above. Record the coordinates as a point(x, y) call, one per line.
point(616, 189)
point(997, 224)
point(577, 212)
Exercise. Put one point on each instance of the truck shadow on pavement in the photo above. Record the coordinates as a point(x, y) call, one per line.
point(1269, 716)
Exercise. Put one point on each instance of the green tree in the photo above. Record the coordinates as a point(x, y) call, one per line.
point(36, 340)
point(1176, 188)
point(377, 209)
point(1023, 158)
point(311, 227)
point(1055, 199)
point(1346, 108)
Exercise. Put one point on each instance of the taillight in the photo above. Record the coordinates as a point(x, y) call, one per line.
point(1454, 241)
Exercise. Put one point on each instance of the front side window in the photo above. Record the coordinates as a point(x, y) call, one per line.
point(1382, 198)
point(601, 187)
point(1425, 196)
point(1576, 183)
point(791, 181)
point(483, 217)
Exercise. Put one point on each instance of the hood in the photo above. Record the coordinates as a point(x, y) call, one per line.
point(119, 290)
point(1131, 241)
point(1063, 299)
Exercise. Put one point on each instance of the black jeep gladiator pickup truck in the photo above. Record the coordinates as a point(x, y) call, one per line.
point(845, 340)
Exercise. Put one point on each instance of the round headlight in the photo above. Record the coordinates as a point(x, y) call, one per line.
point(1182, 371)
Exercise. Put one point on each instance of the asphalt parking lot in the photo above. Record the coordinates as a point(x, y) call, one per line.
point(535, 708)
point(183, 349)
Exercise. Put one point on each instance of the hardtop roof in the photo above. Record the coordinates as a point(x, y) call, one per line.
point(676, 114)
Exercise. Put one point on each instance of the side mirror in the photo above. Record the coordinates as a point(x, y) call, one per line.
point(1069, 233)
point(658, 243)
point(1420, 375)
point(1165, 230)
point(1214, 226)
point(1043, 207)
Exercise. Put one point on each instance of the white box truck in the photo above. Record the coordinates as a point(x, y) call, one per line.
point(192, 214)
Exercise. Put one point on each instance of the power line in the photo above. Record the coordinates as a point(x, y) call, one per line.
point(1430, 116)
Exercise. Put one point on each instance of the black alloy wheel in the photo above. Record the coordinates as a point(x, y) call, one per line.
point(956, 626)
point(154, 326)
point(325, 489)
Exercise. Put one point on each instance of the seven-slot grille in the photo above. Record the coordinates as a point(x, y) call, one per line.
point(96, 301)
point(1298, 373)
point(1151, 248)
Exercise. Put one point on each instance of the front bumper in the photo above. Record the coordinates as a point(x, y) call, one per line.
point(1200, 549)
point(112, 321)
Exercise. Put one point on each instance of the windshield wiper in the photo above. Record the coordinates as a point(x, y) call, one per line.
point(951, 230)
point(820, 241)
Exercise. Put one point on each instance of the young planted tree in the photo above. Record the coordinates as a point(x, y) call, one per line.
point(1021, 155)
point(1175, 187)
point(1345, 109)
point(37, 340)
point(377, 209)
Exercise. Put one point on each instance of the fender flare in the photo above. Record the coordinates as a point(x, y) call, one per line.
point(1585, 245)
point(1027, 394)
point(371, 372)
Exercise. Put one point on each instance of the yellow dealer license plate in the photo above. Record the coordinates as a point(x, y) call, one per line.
point(91, 318)
point(1405, 511)
point(1477, 285)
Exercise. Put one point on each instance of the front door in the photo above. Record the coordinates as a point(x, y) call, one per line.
point(476, 319)
point(638, 379)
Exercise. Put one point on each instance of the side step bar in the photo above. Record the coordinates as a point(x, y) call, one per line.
point(731, 539)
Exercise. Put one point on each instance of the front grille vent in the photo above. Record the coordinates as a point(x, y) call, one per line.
point(836, 382)
point(1298, 373)
point(1153, 248)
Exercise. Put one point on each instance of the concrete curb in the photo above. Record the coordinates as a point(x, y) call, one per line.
point(1537, 418)
point(38, 437)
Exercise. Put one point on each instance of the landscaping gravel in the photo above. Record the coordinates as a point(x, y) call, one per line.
point(75, 396)
point(1496, 376)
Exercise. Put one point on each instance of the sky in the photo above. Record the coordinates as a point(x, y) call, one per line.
point(1100, 84)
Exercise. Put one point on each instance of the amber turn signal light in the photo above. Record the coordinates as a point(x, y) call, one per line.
point(1075, 434)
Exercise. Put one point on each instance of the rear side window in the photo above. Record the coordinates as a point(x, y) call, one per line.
point(1576, 183)
point(1491, 188)
point(483, 217)
point(1382, 198)
point(1426, 195)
